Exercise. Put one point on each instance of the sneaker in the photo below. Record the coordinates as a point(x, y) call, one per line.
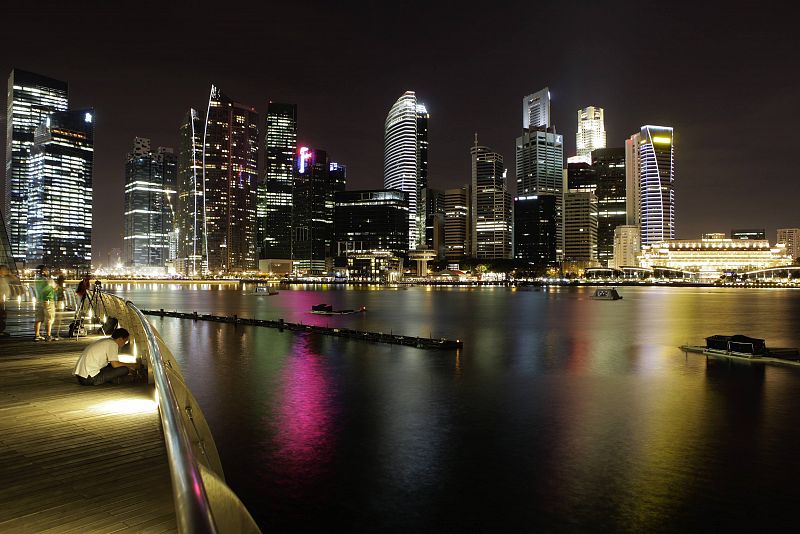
point(56, 338)
point(38, 338)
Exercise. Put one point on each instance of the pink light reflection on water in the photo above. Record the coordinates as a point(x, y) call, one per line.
point(303, 418)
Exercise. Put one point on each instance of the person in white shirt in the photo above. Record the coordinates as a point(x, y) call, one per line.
point(99, 362)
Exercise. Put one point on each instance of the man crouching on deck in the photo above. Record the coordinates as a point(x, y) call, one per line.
point(99, 362)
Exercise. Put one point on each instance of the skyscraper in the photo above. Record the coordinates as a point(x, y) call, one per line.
point(434, 220)
point(627, 246)
point(312, 214)
point(457, 223)
point(190, 214)
point(59, 222)
point(370, 220)
point(491, 205)
point(540, 171)
point(536, 109)
point(580, 229)
point(650, 177)
point(230, 167)
point(605, 177)
point(275, 191)
point(150, 181)
point(31, 98)
point(591, 133)
point(405, 159)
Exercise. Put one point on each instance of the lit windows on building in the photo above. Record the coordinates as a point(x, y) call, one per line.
point(713, 257)
point(275, 190)
point(591, 133)
point(491, 206)
point(31, 99)
point(59, 221)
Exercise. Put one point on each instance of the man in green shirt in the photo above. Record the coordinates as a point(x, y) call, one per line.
point(45, 304)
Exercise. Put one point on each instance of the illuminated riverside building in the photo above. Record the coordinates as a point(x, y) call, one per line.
point(370, 220)
point(712, 257)
point(312, 213)
point(405, 159)
point(434, 221)
point(591, 133)
point(150, 182)
point(627, 246)
point(535, 224)
point(59, 222)
point(490, 206)
point(791, 238)
point(457, 223)
point(190, 214)
point(605, 177)
point(230, 179)
point(650, 177)
point(275, 190)
point(31, 98)
point(540, 170)
point(580, 229)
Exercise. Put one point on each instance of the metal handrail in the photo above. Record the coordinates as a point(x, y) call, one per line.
point(192, 509)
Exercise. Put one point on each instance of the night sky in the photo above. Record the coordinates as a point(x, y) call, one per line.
point(724, 76)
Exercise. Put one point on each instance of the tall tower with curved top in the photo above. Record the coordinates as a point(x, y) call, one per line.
point(405, 159)
point(650, 170)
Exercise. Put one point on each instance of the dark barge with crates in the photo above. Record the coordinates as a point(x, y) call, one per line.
point(280, 324)
point(745, 348)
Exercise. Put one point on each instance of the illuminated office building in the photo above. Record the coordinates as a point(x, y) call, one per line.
point(275, 190)
point(312, 214)
point(490, 206)
point(650, 177)
point(59, 221)
point(150, 182)
point(190, 214)
point(580, 229)
point(627, 246)
point(790, 237)
point(31, 98)
point(591, 133)
point(370, 220)
point(536, 109)
point(338, 176)
point(230, 176)
point(405, 160)
point(457, 223)
point(434, 221)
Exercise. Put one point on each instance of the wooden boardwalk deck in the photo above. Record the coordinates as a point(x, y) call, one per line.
point(76, 458)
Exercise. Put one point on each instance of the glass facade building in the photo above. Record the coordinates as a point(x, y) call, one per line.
point(535, 222)
point(230, 184)
point(59, 222)
point(457, 223)
point(275, 190)
point(405, 160)
point(190, 213)
point(312, 214)
point(371, 220)
point(491, 206)
point(150, 182)
point(650, 178)
point(31, 98)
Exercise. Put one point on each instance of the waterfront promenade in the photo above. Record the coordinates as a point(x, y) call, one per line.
point(74, 458)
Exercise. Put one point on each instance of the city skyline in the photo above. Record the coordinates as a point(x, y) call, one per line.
point(348, 122)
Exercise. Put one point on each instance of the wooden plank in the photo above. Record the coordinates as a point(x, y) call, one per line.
point(67, 463)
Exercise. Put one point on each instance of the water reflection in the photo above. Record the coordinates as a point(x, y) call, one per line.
point(560, 412)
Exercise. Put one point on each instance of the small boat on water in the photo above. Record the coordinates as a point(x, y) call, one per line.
point(606, 293)
point(327, 309)
point(266, 290)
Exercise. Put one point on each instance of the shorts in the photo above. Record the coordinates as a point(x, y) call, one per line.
point(46, 311)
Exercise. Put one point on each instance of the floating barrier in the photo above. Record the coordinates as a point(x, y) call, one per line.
point(280, 324)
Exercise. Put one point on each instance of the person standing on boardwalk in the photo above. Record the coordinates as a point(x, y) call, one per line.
point(99, 362)
point(45, 304)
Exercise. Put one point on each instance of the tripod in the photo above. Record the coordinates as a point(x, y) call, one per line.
point(94, 302)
